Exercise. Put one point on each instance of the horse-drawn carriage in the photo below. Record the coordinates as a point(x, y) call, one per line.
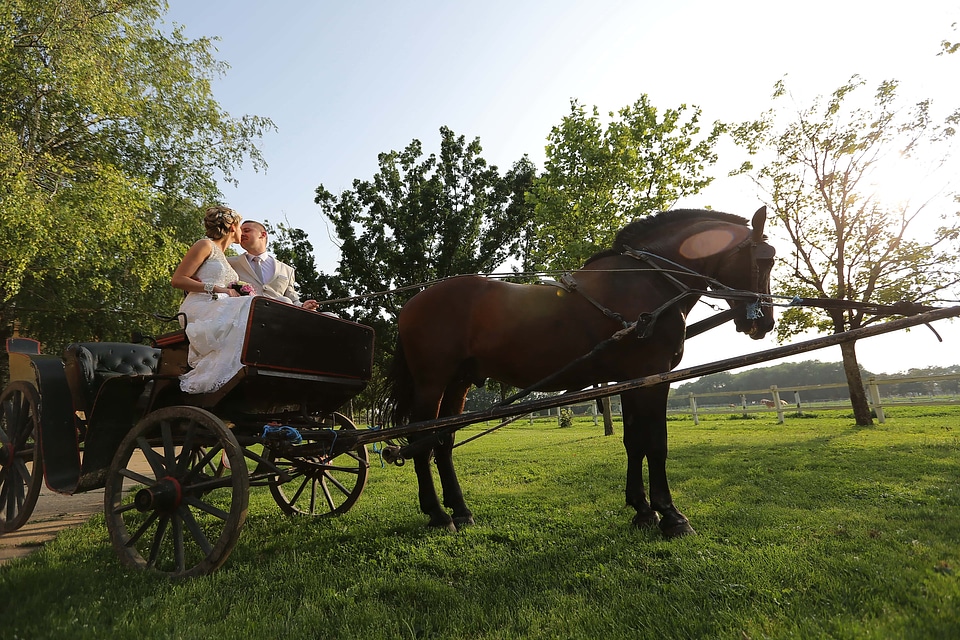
point(176, 467)
point(111, 415)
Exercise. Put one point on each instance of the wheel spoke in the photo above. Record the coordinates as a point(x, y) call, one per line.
point(203, 462)
point(169, 453)
point(206, 507)
point(136, 477)
point(179, 558)
point(198, 535)
point(158, 537)
point(143, 528)
point(186, 452)
point(336, 483)
point(153, 458)
point(326, 494)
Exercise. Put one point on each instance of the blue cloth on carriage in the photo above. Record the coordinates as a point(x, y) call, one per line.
point(215, 328)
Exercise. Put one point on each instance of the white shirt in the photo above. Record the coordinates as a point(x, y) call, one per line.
point(268, 265)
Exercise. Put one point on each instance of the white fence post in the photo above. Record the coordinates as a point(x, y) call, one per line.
point(875, 399)
point(743, 404)
point(775, 392)
point(693, 409)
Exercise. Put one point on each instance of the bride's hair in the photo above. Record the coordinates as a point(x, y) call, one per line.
point(218, 220)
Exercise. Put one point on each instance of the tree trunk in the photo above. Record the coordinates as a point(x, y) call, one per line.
point(607, 416)
point(858, 396)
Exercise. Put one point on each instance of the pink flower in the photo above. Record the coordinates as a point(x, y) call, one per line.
point(242, 288)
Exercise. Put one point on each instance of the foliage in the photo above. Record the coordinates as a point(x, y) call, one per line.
point(821, 174)
point(784, 375)
point(422, 219)
point(812, 529)
point(848, 243)
point(109, 139)
point(597, 179)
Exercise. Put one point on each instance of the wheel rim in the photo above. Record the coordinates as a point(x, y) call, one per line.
point(321, 485)
point(21, 466)
point(184, 514)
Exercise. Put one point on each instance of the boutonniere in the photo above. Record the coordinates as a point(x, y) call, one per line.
point(242, 288)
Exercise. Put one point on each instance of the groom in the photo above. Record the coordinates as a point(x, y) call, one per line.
point(269, 276)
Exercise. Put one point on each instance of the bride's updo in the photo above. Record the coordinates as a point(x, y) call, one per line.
point(218, 221)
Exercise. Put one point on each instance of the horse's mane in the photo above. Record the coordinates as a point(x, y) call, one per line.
point(633, 234)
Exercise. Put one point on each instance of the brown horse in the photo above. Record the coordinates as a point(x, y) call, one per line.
point(466, 329)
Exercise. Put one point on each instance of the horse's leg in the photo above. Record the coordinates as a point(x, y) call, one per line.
point(648, 411)
point(429, 502)
point(635, 444)
point(426, 491)
point(452, 404)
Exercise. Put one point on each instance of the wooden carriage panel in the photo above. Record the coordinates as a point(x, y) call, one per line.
point(284, 337)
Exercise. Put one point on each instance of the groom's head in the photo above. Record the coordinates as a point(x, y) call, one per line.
point(253, 237)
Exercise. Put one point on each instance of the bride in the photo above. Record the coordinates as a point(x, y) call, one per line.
point(215, 314)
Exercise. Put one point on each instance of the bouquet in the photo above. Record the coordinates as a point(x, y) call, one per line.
point(242, 288)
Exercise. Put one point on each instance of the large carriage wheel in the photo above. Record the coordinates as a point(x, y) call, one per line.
point(321, 485)
point(21, 463)
point(181, 514)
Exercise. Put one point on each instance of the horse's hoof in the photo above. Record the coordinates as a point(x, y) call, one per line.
point(676, 530)
point(463, 521)
point(442, 522)
point(646, 520)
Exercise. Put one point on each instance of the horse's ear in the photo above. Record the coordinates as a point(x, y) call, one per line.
point(759, 220)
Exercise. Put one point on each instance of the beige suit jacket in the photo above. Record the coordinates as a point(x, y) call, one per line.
point(282, 287)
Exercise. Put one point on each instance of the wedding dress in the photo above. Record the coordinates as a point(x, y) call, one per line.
point(215, 328)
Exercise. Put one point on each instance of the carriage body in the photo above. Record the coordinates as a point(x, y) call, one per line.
point(98, 416)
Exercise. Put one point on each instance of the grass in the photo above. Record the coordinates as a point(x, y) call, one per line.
point(813, 529)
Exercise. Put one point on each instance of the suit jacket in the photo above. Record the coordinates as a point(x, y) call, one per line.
point(282, 287)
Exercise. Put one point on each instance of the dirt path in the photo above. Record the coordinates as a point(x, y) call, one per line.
point(54, 512)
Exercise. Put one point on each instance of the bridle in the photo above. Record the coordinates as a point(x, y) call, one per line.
point(670, 270)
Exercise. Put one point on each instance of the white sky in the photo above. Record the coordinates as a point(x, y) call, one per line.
point(345, 81)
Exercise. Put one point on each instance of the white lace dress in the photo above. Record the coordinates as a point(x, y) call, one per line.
point(215, 328)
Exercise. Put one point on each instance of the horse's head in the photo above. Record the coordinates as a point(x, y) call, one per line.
point(746, 267)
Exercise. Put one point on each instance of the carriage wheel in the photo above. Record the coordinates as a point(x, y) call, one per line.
point(21, 463)
point(321, 485)
point(181, 516)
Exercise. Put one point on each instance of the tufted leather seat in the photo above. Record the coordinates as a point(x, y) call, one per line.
point(88, 365)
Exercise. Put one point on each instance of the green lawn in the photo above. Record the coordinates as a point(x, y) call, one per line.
point(813, 529)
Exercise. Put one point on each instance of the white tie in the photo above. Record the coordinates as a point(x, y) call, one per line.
point(258, 269)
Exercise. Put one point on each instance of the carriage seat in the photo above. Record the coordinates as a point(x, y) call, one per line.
point(88, 365)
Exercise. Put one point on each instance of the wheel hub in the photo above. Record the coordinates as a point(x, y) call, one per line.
point(165, 496)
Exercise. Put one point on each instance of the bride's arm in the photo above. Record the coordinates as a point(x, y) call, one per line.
point(184, 275)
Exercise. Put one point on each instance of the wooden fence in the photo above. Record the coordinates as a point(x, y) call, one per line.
point(784, 400)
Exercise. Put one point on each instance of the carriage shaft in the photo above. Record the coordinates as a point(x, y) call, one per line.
point(453, 423)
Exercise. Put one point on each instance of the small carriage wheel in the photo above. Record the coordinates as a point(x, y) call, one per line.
point(21, 462)
point(179, 516)
point(321, 485)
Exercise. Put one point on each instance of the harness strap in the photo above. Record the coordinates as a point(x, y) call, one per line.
point(570, 284)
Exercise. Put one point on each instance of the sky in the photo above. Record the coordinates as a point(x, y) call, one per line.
point(345, 81)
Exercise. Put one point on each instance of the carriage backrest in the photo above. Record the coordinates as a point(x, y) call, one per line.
point(89, 364)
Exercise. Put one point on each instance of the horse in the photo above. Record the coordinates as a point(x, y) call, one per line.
point(620, 317)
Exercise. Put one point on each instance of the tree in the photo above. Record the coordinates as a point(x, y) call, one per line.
point(595, 180)
point(416, 221)
point(848, 243)
point(109, 140)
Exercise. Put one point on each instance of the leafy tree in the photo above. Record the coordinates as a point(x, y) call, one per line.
point(597, 179)
point(847, 242)
point(416, 221)
point(421, 219)
point(109, 139)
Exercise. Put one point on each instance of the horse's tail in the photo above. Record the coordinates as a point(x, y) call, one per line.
point(400, 385)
